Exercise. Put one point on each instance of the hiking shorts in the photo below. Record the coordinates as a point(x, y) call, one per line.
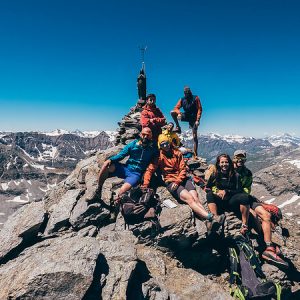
point(188, 118)
point(185, 185)
point(231, 202)
point(129, 176)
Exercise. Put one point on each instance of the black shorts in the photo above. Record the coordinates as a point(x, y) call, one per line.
point(188, 118)
point(187, 184)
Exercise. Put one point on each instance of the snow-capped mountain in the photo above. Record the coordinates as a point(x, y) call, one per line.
point(286, 140)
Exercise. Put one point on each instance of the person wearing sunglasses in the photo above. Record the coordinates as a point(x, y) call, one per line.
point(272, 253)
point(152, 117)
point(172, 167)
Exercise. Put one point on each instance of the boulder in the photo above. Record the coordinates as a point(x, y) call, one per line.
point(60, 268)
point(21, 227)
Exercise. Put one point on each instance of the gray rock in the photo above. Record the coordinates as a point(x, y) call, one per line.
point(59, 217)
point(120, 256)
point(22, 226)
point(60, 268)
point(85, 214)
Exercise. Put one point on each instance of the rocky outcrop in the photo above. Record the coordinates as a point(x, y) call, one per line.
point(77, 248)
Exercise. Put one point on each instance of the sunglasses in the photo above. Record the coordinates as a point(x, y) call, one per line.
point(164, 144)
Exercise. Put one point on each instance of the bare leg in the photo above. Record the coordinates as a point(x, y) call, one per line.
point(124, 188)
point(104, 173)
point(198, 202)
point(189, 199)
point(174, 116)
point(265, 217)
point(195, 138)
point(245, 213)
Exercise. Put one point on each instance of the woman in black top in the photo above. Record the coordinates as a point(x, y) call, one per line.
point(224, 190)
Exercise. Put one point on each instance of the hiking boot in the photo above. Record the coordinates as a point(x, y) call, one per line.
point(244, 229)
point(177, 130)
point(270, 256)
point(215, 225)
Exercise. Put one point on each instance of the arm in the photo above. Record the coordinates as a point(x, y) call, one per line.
point(177, 107)
point(160, 118)
point(182, 169)
point(123, 153)
point(145, 120)
point(199, 108)
point(247, 182)
point(149, 171)
point(211, 184)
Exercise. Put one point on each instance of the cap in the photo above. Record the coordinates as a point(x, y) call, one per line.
point(240, 153)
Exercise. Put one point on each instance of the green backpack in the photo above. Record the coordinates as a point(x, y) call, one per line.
point(247, 280)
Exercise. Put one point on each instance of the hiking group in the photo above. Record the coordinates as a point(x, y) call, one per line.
point(157, 155)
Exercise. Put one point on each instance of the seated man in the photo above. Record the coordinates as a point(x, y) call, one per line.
point(171, 164)
point(224, 191)
point(141, 152)
point(256, 209)
point(192, 113)
point(152, 117)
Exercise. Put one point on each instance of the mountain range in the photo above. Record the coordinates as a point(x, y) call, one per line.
point(33, 162)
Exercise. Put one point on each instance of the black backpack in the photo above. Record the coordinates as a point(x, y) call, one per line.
point(140, 204)
point(247, 280)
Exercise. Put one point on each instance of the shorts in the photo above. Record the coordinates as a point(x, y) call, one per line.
point(122, 171)
point(187, 184)
point(188, 118)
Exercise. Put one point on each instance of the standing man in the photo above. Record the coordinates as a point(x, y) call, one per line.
point(152, 117)
point(192, 113)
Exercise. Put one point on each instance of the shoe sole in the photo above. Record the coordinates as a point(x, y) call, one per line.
point(274, 262)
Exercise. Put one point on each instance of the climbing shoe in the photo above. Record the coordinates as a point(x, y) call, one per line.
point(270, 256)
point(215, 225)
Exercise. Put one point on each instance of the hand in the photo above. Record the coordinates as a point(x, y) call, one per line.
point(221, 194)
point(143, 187)
point(107, 163)
point(173, 186)
point(179, 117)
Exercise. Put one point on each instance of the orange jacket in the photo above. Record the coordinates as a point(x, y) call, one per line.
point(198, 105)
point(172, 168)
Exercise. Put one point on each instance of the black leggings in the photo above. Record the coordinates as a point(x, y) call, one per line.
point(231, 202)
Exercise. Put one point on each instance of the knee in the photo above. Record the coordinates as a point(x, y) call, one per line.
point(190, 200)
point(265, 216)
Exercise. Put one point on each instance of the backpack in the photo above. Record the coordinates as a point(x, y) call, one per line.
point(247, 280)
point(189, 107)
point(140, 204)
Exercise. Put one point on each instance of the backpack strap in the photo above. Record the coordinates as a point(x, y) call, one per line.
point(278, 290)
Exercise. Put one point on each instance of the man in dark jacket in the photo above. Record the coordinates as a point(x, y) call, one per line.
point(152, 117)
point(141, 152)
point(192, 113)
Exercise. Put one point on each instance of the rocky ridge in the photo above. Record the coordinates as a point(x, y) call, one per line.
point(72, 244)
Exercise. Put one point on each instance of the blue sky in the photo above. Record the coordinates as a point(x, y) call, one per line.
point(73, 64)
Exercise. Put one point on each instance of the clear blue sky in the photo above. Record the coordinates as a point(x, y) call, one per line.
point(73, 64)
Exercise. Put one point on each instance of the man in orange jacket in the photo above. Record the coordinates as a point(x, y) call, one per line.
point(171, 164)
point(192, 113)
point(152, 117)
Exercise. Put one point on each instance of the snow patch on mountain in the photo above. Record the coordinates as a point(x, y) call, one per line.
point(295, 162)
point(285, 139)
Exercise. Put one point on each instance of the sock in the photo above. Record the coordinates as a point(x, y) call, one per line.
point(209, 216)
point(269, 244)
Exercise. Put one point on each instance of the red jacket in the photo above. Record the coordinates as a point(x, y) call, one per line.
point(158, 120)
point(173, 168)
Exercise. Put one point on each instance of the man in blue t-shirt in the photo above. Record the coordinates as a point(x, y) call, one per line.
point(140, 152)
